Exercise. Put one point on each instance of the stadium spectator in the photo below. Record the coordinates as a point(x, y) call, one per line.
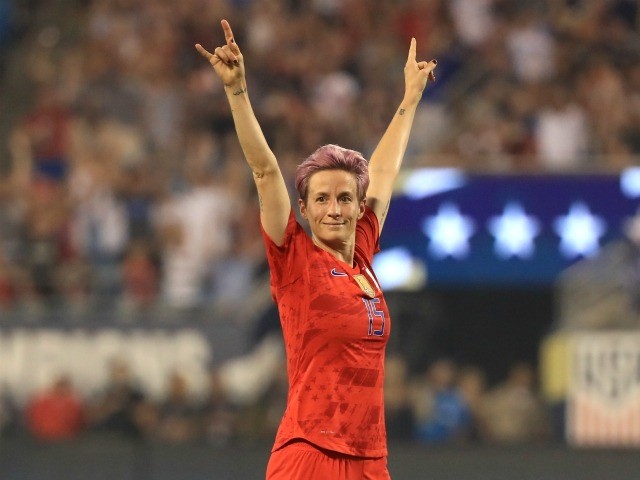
point(120, 407)
point(219, 417)
point(46, 236)
point(57, 413)
point(46, 130)
point(513, 412)
point(474, 21)
point(399, 415)
point(8, 418)
point(140, 278)
point(471, 385)
point(441, 412)
point(178, 416)
point(531, 45)
point(195, 228)
point(561, 132)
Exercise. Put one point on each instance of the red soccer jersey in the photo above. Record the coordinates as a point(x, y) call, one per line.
point(336, 325)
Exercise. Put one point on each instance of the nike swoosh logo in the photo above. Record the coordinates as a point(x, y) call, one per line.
point(336, 273)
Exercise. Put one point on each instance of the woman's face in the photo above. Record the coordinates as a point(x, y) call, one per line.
point(332, 206)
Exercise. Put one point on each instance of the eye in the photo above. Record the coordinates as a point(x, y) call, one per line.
point(345, 199)
point(321, 199)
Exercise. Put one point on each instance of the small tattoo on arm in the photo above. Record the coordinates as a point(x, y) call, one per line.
point(239, 92)
point(401, 112)
point(386, 210)
point(260, 202)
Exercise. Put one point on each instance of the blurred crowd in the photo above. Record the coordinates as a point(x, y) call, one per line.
point(124, 186)
point(444, 404)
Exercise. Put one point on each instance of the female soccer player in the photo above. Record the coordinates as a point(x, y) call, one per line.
point(334, 317)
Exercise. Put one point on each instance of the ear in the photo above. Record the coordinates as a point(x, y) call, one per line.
point(361, 208)
point(303, 208)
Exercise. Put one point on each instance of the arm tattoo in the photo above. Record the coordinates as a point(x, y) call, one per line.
point(401, 112)
point(239, 92)
point(260, 202)
point(384, 214)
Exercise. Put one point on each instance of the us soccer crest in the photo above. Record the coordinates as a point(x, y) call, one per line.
point(364, 284)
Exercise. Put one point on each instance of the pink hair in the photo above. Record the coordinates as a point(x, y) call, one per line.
point(333, 157)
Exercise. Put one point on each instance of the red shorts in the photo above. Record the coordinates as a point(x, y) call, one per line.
point(300, 460)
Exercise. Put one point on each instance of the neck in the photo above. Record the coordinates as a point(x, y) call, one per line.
point(343, 251)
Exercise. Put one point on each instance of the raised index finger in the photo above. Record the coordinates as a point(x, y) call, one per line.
point(228, 34)
point(412, 51)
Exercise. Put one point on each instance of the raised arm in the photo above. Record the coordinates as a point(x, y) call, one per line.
point(275, 206)
point(387, 157)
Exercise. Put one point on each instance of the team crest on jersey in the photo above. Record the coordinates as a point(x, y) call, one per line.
point(364, 284)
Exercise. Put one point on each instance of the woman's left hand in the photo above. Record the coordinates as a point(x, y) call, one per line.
point(417, 74)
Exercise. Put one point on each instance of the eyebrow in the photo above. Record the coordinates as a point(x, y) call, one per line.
point(340, 194)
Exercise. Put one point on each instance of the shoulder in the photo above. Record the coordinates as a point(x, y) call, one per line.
point(368, 232)
point(294, 234)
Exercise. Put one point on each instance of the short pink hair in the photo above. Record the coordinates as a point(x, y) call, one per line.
point(333, 157)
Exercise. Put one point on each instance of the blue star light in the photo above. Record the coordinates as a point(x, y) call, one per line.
point(514, 232)
point(579, 231)
point(449, 232)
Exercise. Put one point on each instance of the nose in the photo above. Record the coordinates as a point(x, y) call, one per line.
point(334, 209)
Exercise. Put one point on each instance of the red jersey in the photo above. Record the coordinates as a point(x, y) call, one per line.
point(336, 325)
point(55, 416)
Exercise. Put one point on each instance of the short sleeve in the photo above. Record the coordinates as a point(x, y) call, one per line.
point(368, 234)
point(283, 260)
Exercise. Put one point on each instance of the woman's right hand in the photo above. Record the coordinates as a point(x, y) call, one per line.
point(227, 60)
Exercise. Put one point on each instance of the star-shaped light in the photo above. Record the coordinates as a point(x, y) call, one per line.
point(579, 231)
point(449, 232)
point(514, 232)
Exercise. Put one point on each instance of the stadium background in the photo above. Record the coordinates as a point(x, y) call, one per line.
point(116, 149)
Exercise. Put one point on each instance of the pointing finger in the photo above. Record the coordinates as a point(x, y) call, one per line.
point(412, 51)
point(228, 36)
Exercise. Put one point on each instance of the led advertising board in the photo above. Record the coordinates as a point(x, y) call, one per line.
point(447, 227)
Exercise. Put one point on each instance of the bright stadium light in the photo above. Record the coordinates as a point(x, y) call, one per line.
point(514, 232)
point(397, 269)
point(630, 182)
point(426, 182)
point(449, 232)
point(579, 231)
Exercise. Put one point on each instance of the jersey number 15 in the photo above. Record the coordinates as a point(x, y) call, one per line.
point(376, 317)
